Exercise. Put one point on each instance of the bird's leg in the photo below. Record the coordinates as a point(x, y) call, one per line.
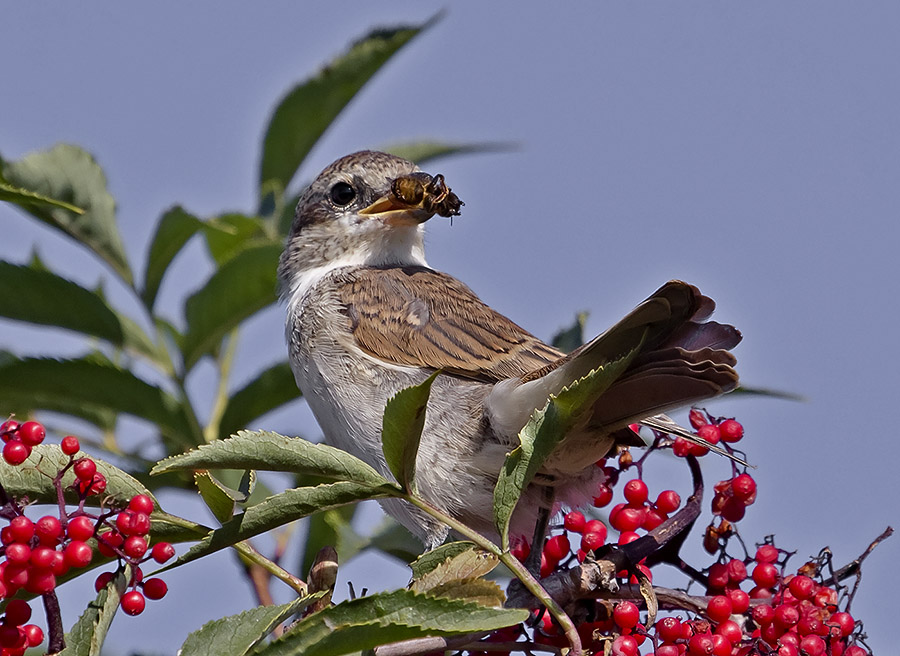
point(545, 510)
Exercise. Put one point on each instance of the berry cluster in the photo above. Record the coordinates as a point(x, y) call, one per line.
point(34, 553)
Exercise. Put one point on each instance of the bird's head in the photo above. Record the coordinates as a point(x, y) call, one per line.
point(364, 209)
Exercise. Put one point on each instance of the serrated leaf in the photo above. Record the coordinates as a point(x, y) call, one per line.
point(379, 619)
point(25, 197)
point(271, 389)
point(70, 174)
point(229, 234)
point(429, 560)
point(64, 385)
point(422, 152)
point(34, 477)
point(240, 288)
point(281, 509)
point(237, 635)
point(268, 451)
point(569, 339)
point(480, 591)
point(215, 496)
point(331, 528)
point(401, 430)
point(309, 108)
point(35, 295)
point(173, 231)
point(88, 634)
point(468, 564)
point(544, 431)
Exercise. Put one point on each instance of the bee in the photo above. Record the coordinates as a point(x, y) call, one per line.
point(430, 193)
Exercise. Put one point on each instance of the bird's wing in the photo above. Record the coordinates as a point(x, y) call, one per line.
point(416, 316)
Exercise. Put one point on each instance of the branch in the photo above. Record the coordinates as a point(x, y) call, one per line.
point(851, 568)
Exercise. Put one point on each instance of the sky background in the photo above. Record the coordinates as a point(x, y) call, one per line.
point(752, 149)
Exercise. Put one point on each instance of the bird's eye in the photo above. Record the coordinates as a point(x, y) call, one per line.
point(342, 194)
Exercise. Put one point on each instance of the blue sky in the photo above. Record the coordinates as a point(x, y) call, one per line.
point(751, 149)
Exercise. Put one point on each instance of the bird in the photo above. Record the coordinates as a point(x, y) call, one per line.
point(367, 317)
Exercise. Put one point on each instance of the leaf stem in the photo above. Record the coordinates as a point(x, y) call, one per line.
point(224, 362)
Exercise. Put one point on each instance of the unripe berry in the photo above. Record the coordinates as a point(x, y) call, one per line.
point(80, 528)
point(635, 492)
point(15, 452)
point(69, 445)
point(731, 430)
point(133, 603)
point(574, 521)
point(155, 589)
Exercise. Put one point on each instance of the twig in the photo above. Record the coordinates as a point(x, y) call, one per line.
point(56, 641)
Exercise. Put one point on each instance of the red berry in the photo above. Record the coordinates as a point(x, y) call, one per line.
point(812, 645)
point(733, 510)
point(786, 616)
point(766, 553)
point(32, 433)
point(155, 589)
point(78, 553)
point(141, 503)
point(15, 452)
point(668, 501)
point(21, 529)
point(627, 518)
point(718, 608)
point(40, 581)
point(744, 488)
point(42, 557)
point(737, 571)
point(84, 469)
point(103, 580)
point(162, 551)
point(765, 575)
point(135, 546)
point(574, 521)
point(58, 563)
point(96, 485)
point(856, 650)
point(624, 645)
point(635, 492)
point(520, 550)
point(718, 576)
point(802, 587)
point(710, 433)
point(69, 445)
point(763, 614)
point(700, 644)
point(556, 548)
point(627, 536)
point(547, 566)
point(681, 447)
point(731, 430)
point(108, 541)
point(731, 631)
point(48, 529)
point(596, 526)
point(697, 418)
point(626, 614)
point(34, 635)
point(669, 629)
point(604, 496)
point(8, 427)
point(721, 645)
point(18, 553)
point(653, 518)
point(11, 638)
point(140, 524)
point(17, 612)
point(80, 528)
point(133, 603)
point(740, 601)
point(844, 621)
point(592, 541)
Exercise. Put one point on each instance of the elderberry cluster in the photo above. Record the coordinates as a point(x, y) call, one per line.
point(34, 553)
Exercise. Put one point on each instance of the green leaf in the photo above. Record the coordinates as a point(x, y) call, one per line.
point(281, 509)
point(543, 432)
point(271, 389)
point(569, 339)
point(215, 496)
point(481, 591)
point(429, 560)
point(35, 295)
point(87, 635)
point(268, 451)
point(422, 152)
point(309, 108)
point(26, 198)
point(95, 384)
point(70, 174)
point(34, 477)
point(240, 288)
point(467, 564)
point(237, 635)
point(173, 231)
point(331, 528)
point(404, 418)
point(367, 622)
point(229, 234)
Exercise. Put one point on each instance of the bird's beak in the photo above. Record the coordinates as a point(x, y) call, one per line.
point(413, 199)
